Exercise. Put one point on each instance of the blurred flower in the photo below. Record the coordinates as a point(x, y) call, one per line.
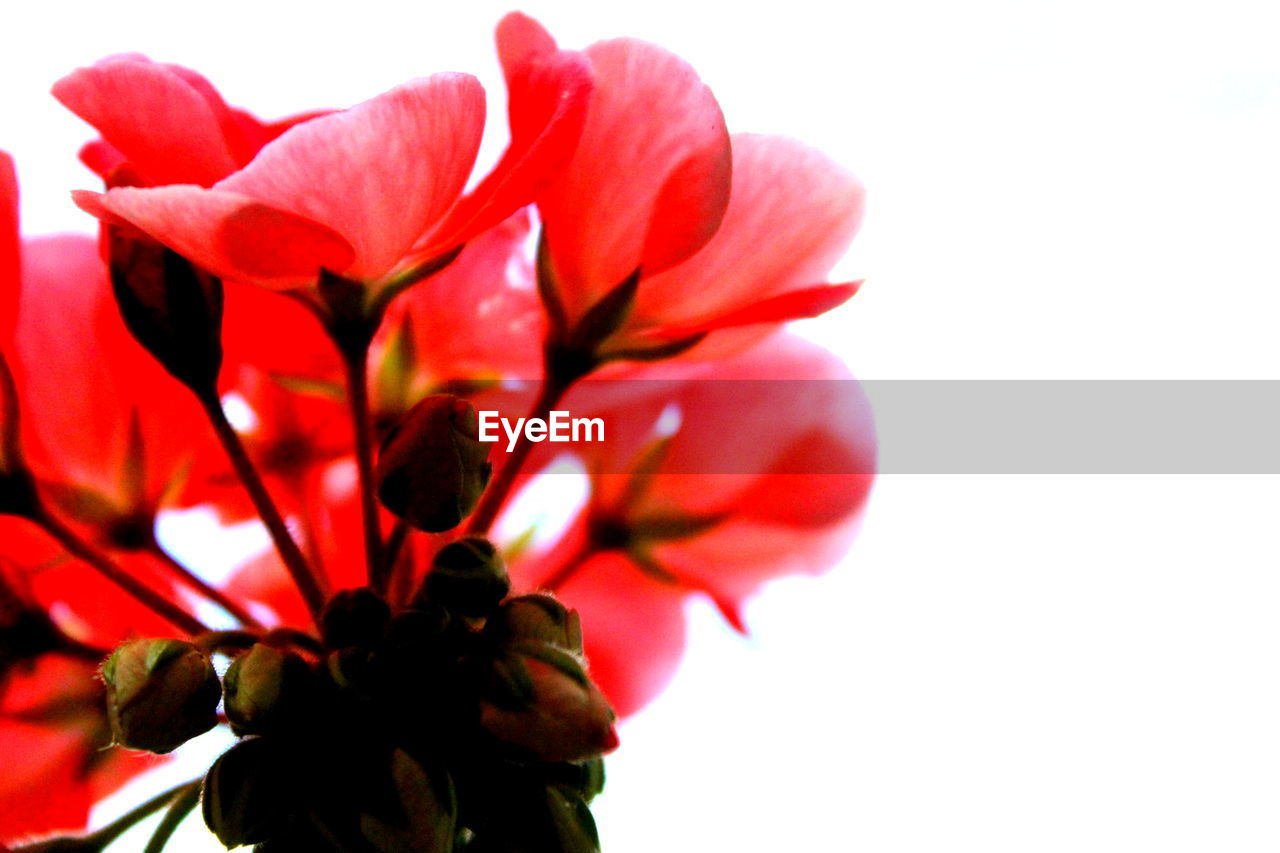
point(766, 475)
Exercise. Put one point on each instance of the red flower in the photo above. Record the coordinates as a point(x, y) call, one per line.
point(772, 462)
point(107, 456)
point(368, 192)
point(649, 188)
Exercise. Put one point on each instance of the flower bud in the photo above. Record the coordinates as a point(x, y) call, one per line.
point(264, 687)
point(433, 466)
point(427, 803)
point(467, 576)
point(247, 795)
point(172, 307)
point(564, 716)
point(354, 617)
point(537, 617)
point(160, 694)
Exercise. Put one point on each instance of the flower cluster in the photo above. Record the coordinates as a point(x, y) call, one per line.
point(399, 676)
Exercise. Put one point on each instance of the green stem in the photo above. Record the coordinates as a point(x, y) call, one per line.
point(496, 494)
point(567, 569)
point(294, 560)
point(356, 360)
point(95, 842)
point(182, 805)
point(208, 590)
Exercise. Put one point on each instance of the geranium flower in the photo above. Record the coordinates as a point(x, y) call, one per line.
point(725, 232)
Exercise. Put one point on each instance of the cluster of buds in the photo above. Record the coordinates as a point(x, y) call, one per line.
point(464, 721)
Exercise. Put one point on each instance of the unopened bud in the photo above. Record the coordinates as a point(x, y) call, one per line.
point(172, 307)
point(264, 688)
point(565, 716)
point(537, 617)
point(354, 617)
point(247, 795)
point(433, 466)
point(160, 694)
point(467, 576)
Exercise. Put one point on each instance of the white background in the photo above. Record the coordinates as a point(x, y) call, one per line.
point(1085, 190)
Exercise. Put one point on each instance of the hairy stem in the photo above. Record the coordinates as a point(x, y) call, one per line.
point(181, 806)
point(208, 590)
point(294, 560)
point(109, 833)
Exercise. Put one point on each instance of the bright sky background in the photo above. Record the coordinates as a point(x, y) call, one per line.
point(1085, 190)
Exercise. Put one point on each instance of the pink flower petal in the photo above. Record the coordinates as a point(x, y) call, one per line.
point(10, 252)
point(182, 138)
point(548, 93)
point(229, 234)
point(793, 305)
point(381, 173)
point(617, 204)
point(791, 216)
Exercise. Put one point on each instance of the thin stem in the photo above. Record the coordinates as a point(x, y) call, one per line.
point(209, 591)
point(120, 826)
point(500, 486)
point(296, 564)
point(356, 360)
point(567, 569)
point(182, 805)
point(113, 572)
point(391, 552)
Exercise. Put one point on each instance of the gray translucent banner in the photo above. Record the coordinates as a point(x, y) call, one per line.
point(1077, 427)
point(925, 426)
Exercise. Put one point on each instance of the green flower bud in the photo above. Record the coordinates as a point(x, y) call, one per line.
point(247, 796)
point(264, 688)
point(354, 617)
point(467, 576)
point(537, 617)
point(160, 694)
point(433, 466)
point(546, 705)
point(172, 307)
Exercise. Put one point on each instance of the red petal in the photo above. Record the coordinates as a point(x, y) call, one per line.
point(229, 234)
point(548, 94)
point(792, 215)
point(100, 157)
point(616, 205)
point(794, 305)
point(182, 138)
point(521, 40)
point(381, 173)
point(10, 253)
point(479, 316)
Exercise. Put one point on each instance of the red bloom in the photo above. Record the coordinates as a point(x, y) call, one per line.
point(648, 188)
point(370, 191)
